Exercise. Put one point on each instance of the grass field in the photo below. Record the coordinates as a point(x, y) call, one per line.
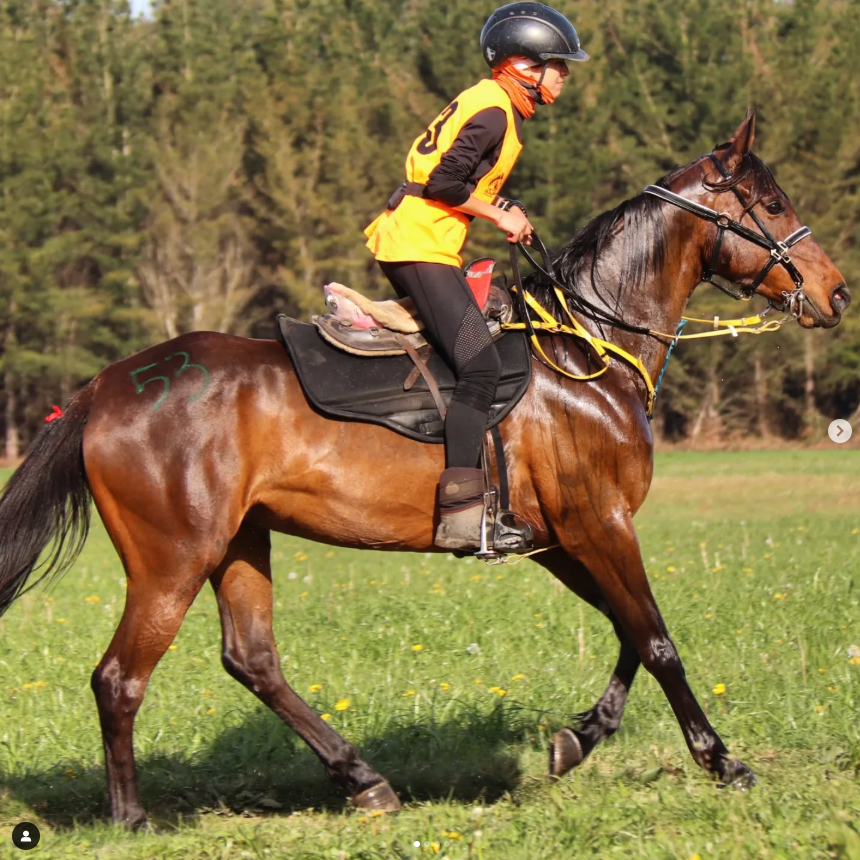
point(755, 561)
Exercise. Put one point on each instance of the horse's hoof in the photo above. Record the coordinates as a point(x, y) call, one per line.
point(565, 752)
point(378, 798)
point(737, 775)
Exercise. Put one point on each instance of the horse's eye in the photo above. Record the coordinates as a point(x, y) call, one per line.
point(775, 207)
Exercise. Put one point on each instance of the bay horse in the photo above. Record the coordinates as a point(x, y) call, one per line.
point(194, 449)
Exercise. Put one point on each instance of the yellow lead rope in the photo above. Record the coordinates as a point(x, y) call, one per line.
point(547, 323)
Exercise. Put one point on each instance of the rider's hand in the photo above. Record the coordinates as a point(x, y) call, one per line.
point(517, 226)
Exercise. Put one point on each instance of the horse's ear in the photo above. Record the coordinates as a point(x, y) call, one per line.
point(741, 143)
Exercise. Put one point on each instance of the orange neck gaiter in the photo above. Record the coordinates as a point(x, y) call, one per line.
point(515, 84)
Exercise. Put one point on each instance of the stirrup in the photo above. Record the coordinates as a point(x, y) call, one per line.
point(510, 533)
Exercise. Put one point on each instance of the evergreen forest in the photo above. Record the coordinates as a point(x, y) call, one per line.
point(214, 163)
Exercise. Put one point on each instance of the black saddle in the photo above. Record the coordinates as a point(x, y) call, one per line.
point(371, 389)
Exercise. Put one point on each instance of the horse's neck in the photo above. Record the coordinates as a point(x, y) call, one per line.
point(656, 304)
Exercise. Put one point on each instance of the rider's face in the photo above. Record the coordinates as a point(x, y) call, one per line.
point(556, 74)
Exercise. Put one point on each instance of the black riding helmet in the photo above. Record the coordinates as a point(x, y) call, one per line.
point(529, 30)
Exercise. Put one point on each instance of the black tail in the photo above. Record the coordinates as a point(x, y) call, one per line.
point(47, 499)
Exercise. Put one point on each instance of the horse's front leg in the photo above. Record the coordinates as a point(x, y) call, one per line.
point(607, 546)
point(571, 745)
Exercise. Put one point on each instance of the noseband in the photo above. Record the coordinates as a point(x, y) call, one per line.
point(792, 301)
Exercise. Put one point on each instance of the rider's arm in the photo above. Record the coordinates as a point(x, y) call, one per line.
point(470, 157)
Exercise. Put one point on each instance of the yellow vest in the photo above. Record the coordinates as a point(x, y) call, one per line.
point(427, 231)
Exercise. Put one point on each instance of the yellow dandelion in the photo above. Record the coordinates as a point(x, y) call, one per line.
point(325, 717)
point(330, 554)
point(819, 709)
point(855, 531)
point(709, 615)
point(315, 688)
point(518, 677)
point(696, 857)
point(445, 685)
point(537, 615)
point(342, 704)
point(172, 647)
point(35, 685)
point(832, 689)
point(719, 689)
point(539, 625)
point(62, 621)
point(478, 681)
point(418, 647)
point(476, 578)
point(498, 691)
point(821, 671)
point(748, 570)
point(210, 712)
point(206, 694)
point(301, 556)
point(305, 594)
point(451, 834)
point(670, 569)
point(408, 693)
point(855, 661)
point(780, 596)
point(93, 598)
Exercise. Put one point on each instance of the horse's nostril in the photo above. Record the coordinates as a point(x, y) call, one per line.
point(840, 299)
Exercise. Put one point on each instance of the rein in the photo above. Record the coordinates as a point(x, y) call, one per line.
point(546, 322)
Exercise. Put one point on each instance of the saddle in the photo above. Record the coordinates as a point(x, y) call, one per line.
point(368, 361)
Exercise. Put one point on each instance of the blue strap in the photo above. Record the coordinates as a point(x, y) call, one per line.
point(669, 355)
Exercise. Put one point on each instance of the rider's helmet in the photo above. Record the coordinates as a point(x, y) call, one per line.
point(529, 30)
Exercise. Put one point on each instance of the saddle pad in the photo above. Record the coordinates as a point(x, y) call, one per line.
point(363, 388)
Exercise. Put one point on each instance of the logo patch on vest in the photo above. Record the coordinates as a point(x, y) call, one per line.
point(494, 186)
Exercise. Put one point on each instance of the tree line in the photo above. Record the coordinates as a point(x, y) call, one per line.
point(215, 163)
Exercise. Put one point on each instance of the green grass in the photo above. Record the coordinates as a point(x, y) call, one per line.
point(754, 561)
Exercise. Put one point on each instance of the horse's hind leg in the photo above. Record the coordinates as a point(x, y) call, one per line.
point(154, 610)
point(243, 586)
point(570, 746)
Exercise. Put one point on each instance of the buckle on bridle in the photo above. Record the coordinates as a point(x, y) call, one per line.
point(723, 220)
point(780, 252)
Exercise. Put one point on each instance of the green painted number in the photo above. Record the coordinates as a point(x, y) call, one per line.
point(141, 385)
point(187, 364)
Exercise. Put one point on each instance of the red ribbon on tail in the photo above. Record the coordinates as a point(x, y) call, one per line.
point(57, 413)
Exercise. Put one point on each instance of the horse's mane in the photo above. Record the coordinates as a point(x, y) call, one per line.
point(579, 264)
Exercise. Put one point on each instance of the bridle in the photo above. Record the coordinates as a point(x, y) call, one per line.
point(792, 301)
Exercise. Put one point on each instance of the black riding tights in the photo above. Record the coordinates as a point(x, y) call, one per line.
point(457, 330)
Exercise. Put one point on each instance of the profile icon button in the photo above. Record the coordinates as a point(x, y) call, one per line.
point(26, 835)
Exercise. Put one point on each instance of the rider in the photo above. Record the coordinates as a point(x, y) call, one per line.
point(454, 172)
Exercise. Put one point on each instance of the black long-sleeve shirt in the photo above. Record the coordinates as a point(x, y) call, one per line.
point(471, 156)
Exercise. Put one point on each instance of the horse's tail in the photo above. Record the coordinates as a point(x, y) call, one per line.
point(47, 499)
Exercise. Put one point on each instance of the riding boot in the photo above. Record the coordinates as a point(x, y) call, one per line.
point(461, 508)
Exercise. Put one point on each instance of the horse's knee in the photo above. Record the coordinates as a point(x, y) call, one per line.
point(661, 658)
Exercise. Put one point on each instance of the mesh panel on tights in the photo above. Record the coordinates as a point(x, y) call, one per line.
point(472, 337)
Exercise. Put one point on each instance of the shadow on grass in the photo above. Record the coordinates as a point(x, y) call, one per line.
point(262, 768)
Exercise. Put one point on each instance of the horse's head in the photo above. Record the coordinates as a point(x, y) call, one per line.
point(755, 238)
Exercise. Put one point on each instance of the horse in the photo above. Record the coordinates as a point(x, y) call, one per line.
point(193, 450)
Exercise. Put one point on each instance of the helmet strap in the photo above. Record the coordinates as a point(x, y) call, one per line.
point(538, 86)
